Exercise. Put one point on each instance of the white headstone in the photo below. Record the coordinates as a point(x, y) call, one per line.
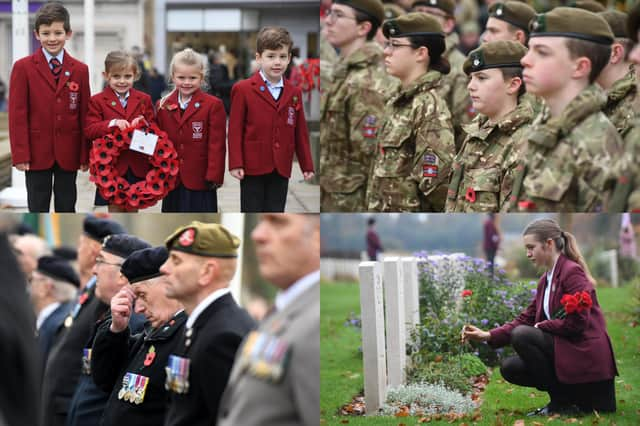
point(411, 292)
point(395, 321)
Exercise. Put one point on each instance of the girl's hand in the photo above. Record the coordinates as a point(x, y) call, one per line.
point(471, 332)
point(237, 173)
point(139, 119)
point(22, 166)
point(307, 175)
point(122, 124)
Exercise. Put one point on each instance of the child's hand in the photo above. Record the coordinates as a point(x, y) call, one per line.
point(22, 166)
point(307, 175)
point(139, 119)
point(122, 124)
point(84, 167)
point(237, 173)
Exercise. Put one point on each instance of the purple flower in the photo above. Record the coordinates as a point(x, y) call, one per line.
point(484, 321)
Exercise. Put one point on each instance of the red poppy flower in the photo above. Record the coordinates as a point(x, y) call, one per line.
point(73, 86)
point(466, 293)
point(149, 359)
point(83, 298)
point(171, 107)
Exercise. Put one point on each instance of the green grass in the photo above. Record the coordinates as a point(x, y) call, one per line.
point(341, 368)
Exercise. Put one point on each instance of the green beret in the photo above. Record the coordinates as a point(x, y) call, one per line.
point(633, 23)
point(372, 8)
point(514, 12)
point(494, 54)
point(392, 11)
point(204, 239)
point(617, 21)
point(571, 23)
point(590, 5)
point(412, 24)
point(447, 6)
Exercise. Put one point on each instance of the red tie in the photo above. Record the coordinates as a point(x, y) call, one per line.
point(56, 67)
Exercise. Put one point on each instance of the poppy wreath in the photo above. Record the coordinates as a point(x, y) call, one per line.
point(114, 188)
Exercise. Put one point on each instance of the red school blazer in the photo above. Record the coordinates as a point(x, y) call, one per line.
point(46, 120)
point(583, 351)
point(103, 108)
point(263, 133)
point(199, 137)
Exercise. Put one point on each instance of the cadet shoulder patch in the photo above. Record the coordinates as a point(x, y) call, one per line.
point(369, 128)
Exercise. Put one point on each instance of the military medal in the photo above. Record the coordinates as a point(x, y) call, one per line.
point(177, 370)
point(265, 356)
point(86, 361)
point(134, 388)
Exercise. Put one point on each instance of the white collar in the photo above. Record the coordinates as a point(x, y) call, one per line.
point(269, 83)
point(204, 304)
point(59, 56)
point(44, 314)
point(183, 105)
point(285, 297)
point(125, 97)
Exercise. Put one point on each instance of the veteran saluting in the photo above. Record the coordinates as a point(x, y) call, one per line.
point(202, 262)
point(276, 377)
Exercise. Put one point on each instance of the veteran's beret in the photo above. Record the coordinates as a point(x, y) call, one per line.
point(204, 239)
point(142, 265)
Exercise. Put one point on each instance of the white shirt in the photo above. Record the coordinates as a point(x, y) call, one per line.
point(547, 290)
point(204, 304)
point(274, 89)
point(59, 57)
point(183, 104)
point(123, 101)
point(285, 297)
point(44, 314)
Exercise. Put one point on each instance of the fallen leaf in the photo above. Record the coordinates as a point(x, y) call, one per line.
point(438, 358)
point(344, 422)
point(404, 412)
point(533, 395)
point(510, 390)
point(424, 419)
point(537, 424)
point(628, 387)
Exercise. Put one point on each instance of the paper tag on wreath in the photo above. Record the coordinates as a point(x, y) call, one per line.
point(144, 143)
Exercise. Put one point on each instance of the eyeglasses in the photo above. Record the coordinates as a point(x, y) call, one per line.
point(334, 15)
point(393, 46)
point(101, 261)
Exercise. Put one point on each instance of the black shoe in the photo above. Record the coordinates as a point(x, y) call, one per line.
point(544, 411)
point(550, 410)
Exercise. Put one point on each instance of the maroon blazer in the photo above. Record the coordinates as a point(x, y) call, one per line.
point(105, 107)
point(583, 351)
point(46, 120)
point(199, 136)
point(263, 133)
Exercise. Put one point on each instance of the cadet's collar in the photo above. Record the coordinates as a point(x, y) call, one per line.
point(622, 87)
point(369, 53)
point(523, 113)
point(425, 82)
point(451, 41)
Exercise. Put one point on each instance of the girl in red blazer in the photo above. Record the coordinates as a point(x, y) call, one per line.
point(120, 105)
point(571, 358)
point(196, 124)
point(266, 127)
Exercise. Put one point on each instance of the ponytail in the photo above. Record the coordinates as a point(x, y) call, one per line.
point(572, 251)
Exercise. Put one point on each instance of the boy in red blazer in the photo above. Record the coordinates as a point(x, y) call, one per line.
point(120, 105)
point(47, 109)
point(266, 127)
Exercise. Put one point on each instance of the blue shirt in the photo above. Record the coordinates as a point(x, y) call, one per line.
point(274, 89)
point(59, 56)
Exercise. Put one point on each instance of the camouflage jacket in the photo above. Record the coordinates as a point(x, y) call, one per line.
point(415, 150)
point(483, 170)
point(454, 89)
point(621, 102)
point(351, 111)
point(627, 193)
point(328, 57)
point(570, 161)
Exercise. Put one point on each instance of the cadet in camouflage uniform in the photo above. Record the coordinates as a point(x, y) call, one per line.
point(510, 21)
point(618, 77)
point(574, 154)
point(483, 169)
point(416, 139)
point(454, 85)
point(352, 106)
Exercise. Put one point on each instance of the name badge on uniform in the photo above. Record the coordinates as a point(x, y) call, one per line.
point(177, 370)
point(144, 143)
point(73, 100)
point(134, 388)
point(197, 126)
point(86, 361)
point(265, 356)
point(291, 116)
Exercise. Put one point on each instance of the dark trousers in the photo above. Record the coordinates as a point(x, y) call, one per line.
point(39, 189)
point(263, 193)
point(491, 256)
point(534, 367)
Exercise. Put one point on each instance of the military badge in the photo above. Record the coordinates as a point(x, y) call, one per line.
point(196, 126)
point(188, 237)
point(369, 128)
point(177, 370)
point(134, 388)
point(86, 361)
point(265, 356)
point(499, 10)
point(429, 166)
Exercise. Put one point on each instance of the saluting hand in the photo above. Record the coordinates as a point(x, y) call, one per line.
point(121, 308)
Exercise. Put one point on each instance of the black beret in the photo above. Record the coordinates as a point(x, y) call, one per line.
point(123, 245)
point(142, 265)
point(514, 12)
point(412, 24)
point(633, 23)
point(495, 54)
point(204, 239)
point(617, 21)
point(66, 252)
point(372, 8)
point(447, 6)
point(572, 23)
point(97, 228)
point(58, 269)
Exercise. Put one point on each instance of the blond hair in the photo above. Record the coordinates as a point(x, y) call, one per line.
point(565, 242)
point(121, 60)
point(187, 57)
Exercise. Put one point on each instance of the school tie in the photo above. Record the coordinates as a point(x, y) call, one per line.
point(56, 67)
